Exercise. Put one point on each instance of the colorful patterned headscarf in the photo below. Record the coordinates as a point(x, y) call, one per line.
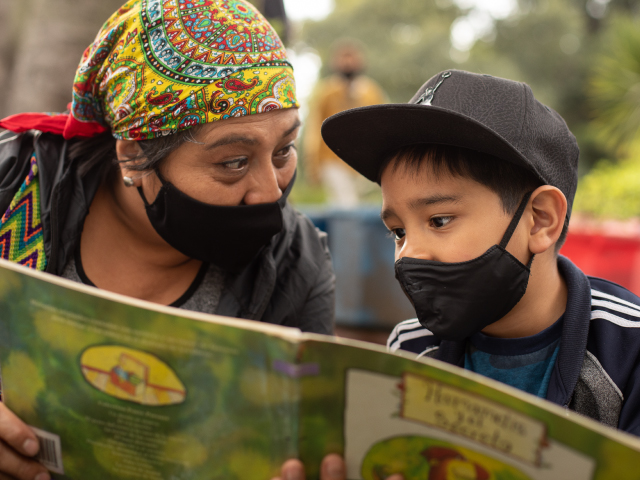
point(160, 66)
point(156, 67)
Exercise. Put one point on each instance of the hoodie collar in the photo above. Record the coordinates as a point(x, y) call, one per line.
point(573, 344)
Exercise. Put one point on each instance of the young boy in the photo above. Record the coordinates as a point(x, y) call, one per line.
point(478, 180)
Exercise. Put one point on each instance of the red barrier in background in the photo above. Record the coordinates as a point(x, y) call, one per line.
point(615, 258)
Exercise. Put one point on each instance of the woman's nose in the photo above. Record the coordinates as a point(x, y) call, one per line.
point(265, 188)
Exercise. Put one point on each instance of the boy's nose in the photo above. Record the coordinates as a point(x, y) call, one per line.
point(414, 249)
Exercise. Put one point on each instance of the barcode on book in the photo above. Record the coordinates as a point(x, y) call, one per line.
point(50, 454)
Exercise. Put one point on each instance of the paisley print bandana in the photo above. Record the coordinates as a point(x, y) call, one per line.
point(160, 66)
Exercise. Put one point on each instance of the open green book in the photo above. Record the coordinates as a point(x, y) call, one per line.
point(117, 388)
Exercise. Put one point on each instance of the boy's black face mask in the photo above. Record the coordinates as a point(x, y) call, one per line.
point(456, 300)
point(229, 237)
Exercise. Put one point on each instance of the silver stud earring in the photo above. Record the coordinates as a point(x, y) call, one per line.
point(128, 182)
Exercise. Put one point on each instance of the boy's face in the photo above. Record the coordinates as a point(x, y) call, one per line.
point(443, 218)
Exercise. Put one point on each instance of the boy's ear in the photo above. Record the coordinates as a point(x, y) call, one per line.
point(549, 207)
point(129, 150)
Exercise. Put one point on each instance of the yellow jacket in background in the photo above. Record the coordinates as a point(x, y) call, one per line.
point(334, 94)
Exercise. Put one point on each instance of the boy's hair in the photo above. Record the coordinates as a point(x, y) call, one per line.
point(508, 180)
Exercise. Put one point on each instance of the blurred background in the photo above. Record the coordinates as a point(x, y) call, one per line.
point(581, 57)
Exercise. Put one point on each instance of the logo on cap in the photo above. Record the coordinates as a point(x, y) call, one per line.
point(427, 96)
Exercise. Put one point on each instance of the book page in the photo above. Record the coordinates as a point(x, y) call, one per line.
point(425, 419)
point(447, 430)
point(116, 390)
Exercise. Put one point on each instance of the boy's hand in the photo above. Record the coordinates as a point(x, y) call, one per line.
point(17, 442)
point(333, 468)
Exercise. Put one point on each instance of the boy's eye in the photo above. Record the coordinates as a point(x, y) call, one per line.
point(398, 233)
point(439, 222)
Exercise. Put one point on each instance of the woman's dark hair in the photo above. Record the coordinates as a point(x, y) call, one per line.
point(99, 152)
point(508, 180)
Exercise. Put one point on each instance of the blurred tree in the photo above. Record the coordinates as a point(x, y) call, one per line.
point(611, 189)
point(614, 88)
point(5, 48)
point(48, 37)
point(549, 44)
point(12, 14)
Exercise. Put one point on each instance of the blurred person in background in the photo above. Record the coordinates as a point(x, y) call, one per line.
point(168, 179)
point(346, 88)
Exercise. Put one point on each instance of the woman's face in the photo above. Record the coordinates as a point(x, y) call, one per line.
point(237, 161)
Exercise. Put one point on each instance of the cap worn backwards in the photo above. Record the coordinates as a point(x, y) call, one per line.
point(488, 114)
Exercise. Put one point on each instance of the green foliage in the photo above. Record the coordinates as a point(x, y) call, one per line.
point(611, 190)
point(305, 193)
point(585, 66)
point(549, 44)
point(615, 85)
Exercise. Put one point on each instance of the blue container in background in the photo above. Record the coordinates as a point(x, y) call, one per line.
point(367, 293)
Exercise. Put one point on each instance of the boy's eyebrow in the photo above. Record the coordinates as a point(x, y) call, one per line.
point(386, 213)
point(433, 200)
point(234, 138)
point(422, 202)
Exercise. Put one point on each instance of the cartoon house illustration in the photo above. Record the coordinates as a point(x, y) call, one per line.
point(130, 375)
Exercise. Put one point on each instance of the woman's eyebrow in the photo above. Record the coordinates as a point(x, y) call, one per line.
point(293, 128)
point(231, 139)
point(235, 138)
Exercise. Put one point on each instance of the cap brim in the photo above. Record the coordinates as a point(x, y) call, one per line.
point(365, 137)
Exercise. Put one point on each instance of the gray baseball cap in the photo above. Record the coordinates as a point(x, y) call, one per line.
point(487, 114)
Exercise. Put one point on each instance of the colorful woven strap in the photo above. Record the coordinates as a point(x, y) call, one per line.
point(21, 238)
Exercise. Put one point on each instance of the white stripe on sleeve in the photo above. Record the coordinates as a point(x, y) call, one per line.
point(623, 322)
point(403, 337)
point(615, 306)
point(596, 293)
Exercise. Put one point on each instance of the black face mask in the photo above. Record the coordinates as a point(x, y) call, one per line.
point(456, 300)
point(229, 237)
point(349, 74)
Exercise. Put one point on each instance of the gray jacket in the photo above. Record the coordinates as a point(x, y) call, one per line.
point(291, 281)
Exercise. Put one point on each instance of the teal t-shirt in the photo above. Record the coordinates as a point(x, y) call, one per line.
point(525, 363)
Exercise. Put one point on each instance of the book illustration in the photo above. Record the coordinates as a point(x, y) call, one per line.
point(132, 375)
point(425, 429)
point(89, 369)
point(429, 459)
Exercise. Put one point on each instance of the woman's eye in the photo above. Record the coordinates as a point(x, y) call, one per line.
point(397, 233)
point(439, 222)
point(237, 164)
point(286, 151)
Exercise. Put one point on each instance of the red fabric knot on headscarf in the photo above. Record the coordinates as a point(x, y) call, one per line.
point(58, 123)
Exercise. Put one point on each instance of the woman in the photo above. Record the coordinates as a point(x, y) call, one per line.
point(168, 179)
